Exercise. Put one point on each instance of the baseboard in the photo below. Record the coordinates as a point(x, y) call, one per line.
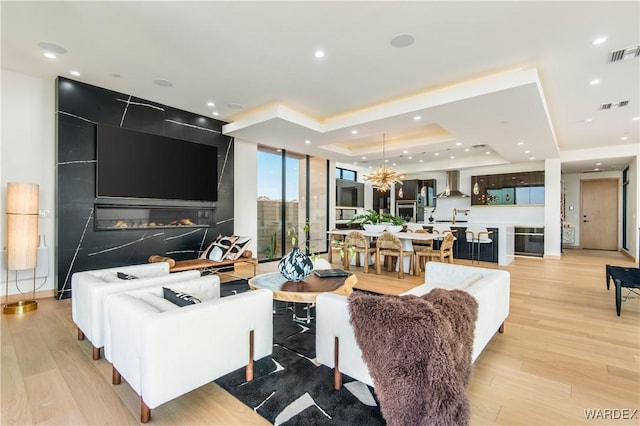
point(43, 294)
point(552, 256)
point(627, 254)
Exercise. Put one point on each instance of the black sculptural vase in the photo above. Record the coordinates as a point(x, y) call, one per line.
point(295, 266)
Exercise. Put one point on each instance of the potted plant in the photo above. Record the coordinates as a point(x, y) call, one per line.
point(394, 223)
point(370, 221)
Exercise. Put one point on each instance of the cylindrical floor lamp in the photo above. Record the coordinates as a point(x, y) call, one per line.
point(22, 239)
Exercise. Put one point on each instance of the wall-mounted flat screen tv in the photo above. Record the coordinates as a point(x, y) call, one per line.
point(132, 164)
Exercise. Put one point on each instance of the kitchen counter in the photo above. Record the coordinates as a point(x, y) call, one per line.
point(506, 246)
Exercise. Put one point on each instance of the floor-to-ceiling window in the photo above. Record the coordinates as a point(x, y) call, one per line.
point(292, 188)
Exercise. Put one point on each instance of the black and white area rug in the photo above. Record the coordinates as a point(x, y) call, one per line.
point(290, 388)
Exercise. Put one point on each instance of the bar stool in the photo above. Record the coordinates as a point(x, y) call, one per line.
point(477, 235)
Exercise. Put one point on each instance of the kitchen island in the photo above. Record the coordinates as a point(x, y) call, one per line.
point(501, 251)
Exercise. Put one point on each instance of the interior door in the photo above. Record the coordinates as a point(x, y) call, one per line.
point(599, 211)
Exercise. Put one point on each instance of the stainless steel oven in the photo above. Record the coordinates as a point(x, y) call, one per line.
point(407, 210)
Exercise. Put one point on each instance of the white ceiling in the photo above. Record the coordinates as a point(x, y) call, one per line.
point(479, 73)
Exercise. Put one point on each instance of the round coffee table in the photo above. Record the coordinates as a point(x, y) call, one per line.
point(304, 291)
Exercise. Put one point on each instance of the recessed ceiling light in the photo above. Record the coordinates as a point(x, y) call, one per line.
point(527, 151)
point(624, 138)
point(467, 149)
point(211, 104)
point(598, 164)
point(354, 132)
point(599, 40)
point(410, 157)
point(307, 141)
point(417, 117)
point(532, 158)
point(587, 120)
point(405, 152)
point(458, 143)
point(596, 169)
point(319, 53)
point(403, 40)
point(278, 150)
point(50, 47)
point(421, 161)
point(386, 161)
point(162, 82)
point(488, 152)
point(49, 55)
point(216, 113)
point(594, 82)
point(636, 118)
point(436, 154)
point(452, 157)
point(394, 164)
point(74, 73)
point(355, 162)
point(521, 143)
point(363, 158)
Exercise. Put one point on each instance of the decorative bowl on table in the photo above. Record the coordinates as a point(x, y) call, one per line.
point(371, 227)
point(394, 228)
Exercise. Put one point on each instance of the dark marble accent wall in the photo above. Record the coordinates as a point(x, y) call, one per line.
point(79, 247)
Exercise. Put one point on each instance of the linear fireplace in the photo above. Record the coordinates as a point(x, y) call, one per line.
point(119, 217)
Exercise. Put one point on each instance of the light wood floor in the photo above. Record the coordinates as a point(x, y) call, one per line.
point(564, 350)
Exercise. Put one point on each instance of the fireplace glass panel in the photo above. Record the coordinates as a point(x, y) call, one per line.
point(145, 217)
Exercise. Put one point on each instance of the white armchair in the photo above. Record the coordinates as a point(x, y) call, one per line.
point(89, 288)
point(336, 345)
point(164, 354)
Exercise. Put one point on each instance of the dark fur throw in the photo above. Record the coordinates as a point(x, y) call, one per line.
point(418, 350)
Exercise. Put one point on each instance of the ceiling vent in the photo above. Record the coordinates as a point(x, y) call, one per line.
point(482, 145)
point(614, 105)
point(624, 54)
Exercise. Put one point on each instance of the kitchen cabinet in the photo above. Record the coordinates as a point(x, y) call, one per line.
point(408, 190)
point(509, 189)
point(530, 195)
point(381, 201)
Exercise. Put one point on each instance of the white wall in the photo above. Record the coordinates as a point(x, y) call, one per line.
point(27, 143)
point(552, 202)
point(245, 177)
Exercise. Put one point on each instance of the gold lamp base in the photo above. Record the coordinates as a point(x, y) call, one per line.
point(20, 307)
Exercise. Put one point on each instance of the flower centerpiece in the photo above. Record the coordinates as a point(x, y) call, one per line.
point(296, 265)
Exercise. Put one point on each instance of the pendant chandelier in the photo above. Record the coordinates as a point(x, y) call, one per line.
point(383, 178)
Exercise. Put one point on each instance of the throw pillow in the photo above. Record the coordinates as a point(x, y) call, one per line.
point(418, 351)
point(124, 276)
point(179, 298)
point(238, 248)
point(205, 254)
point(221, 248)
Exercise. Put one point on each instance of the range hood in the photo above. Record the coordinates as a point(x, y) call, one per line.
point(453, 183)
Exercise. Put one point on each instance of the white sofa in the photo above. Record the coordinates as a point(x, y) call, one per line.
point(490, 287)
point(89, 288)
point(164, 352)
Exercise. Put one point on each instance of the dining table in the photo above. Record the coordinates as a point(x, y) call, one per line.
point(406, 238)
